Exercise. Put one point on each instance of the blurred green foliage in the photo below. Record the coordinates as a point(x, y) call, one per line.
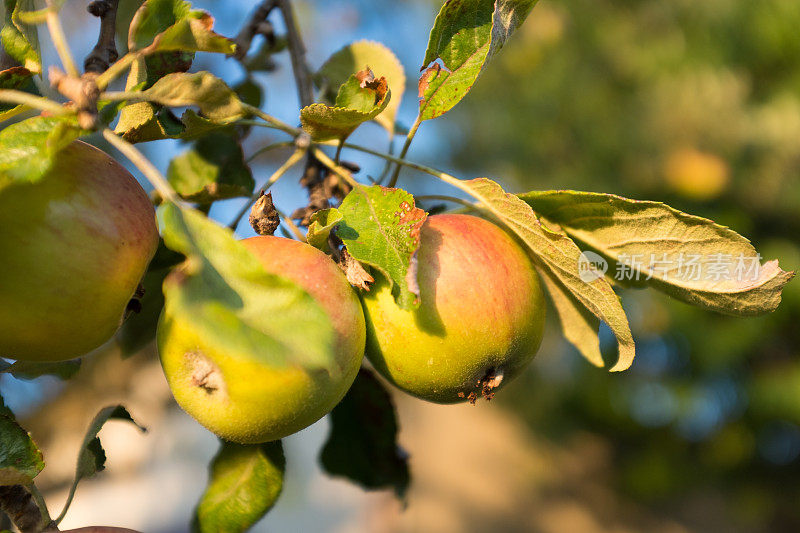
point(696, 104)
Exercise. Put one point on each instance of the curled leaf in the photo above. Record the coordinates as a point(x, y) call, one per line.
point(338, 68)
point(361, 98)
point(689, 257)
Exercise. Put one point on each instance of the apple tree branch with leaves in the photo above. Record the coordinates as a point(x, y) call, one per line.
point(261, 337)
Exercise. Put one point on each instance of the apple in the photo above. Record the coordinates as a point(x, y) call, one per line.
point(480, 318)
point(73, 248)
point(246, 401)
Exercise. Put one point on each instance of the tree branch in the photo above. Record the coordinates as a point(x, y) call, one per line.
point(297, 52)
point(257, 25)
point(104, 52)
point(314, 175)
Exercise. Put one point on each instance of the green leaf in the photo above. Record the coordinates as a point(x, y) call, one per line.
point(556, 253)
point(465, 36)
point(171, 25)
point(27, 148)
point(362, 445)
point(141, 122)
point(232, 302)
point(213, 170)
point(244, 483)
point(140, 327)
point(381, 228)
point(250, 92)
point(216, 101)
point(20, 459)
point(21, 40)
point(33, 370)
point(92, 457)
point(175, 33)
point(352, 58)
point(322, 223)
point(688, 257)
point(193, 33)
point(167, 33)
point(153, 18)
point(360, 98)
point(138, 122)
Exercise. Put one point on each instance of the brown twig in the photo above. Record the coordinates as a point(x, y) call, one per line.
point(257, 25)
point(313, 177)
point(297, 52)
point(104, 52)
point(83, 92)
point(19, 505)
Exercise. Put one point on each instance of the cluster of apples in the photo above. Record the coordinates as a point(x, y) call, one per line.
point(479, 322)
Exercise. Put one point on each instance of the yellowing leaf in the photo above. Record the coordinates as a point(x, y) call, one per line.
point(689, 257)
point(579, 325)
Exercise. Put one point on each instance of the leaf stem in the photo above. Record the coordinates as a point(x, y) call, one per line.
point(289, 163)
point(404, 162)
point(292, 226)
point(70, 497)
point(30, 100)
point(340, 171)
point(267, 148)
point(445, 198)
point(60, 41)
point(116, 70)
point(40, 503)
point(410, 137)
point(338, 152)
point(142, 163)
point(272, 122)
